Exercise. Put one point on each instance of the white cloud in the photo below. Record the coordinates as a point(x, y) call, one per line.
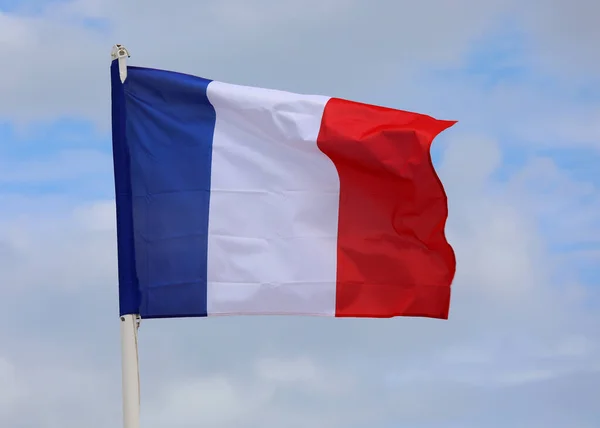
point(50, 245)
point(216, 401)
point(566, 35)
point(10, 391)
point(62, 166)
point(509, 327)
point(63, 68)
point(488, 226)
point(521, 343)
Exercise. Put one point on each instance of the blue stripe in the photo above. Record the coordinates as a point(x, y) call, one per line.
point(170, 127)
point(129, 296)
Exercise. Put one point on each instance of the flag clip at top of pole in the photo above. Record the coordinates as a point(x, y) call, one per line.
point(120, 53)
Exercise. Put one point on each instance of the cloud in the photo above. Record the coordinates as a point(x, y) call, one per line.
point(521, 344)
point(52, 246)
point(230, 41)
point(11, 391)
point(62, 166)
point(564, 33)
point(510, 328)
point(319, 39)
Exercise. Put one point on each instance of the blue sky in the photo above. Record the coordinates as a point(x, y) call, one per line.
point(521, 347)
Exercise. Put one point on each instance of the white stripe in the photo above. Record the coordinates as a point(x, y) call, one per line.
point(273, 206)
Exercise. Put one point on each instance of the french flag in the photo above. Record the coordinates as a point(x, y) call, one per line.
point(235, 200)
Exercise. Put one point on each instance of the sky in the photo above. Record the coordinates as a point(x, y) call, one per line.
point(522, 345)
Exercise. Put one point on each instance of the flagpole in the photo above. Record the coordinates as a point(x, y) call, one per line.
point(129, 321)
point(130, 371)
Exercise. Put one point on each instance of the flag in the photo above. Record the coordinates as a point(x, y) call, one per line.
point(236, 200)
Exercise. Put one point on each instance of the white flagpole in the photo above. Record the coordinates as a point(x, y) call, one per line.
point(130, 371)
point(130, 322)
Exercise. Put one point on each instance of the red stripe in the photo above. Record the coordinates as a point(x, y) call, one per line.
point(393, 257)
